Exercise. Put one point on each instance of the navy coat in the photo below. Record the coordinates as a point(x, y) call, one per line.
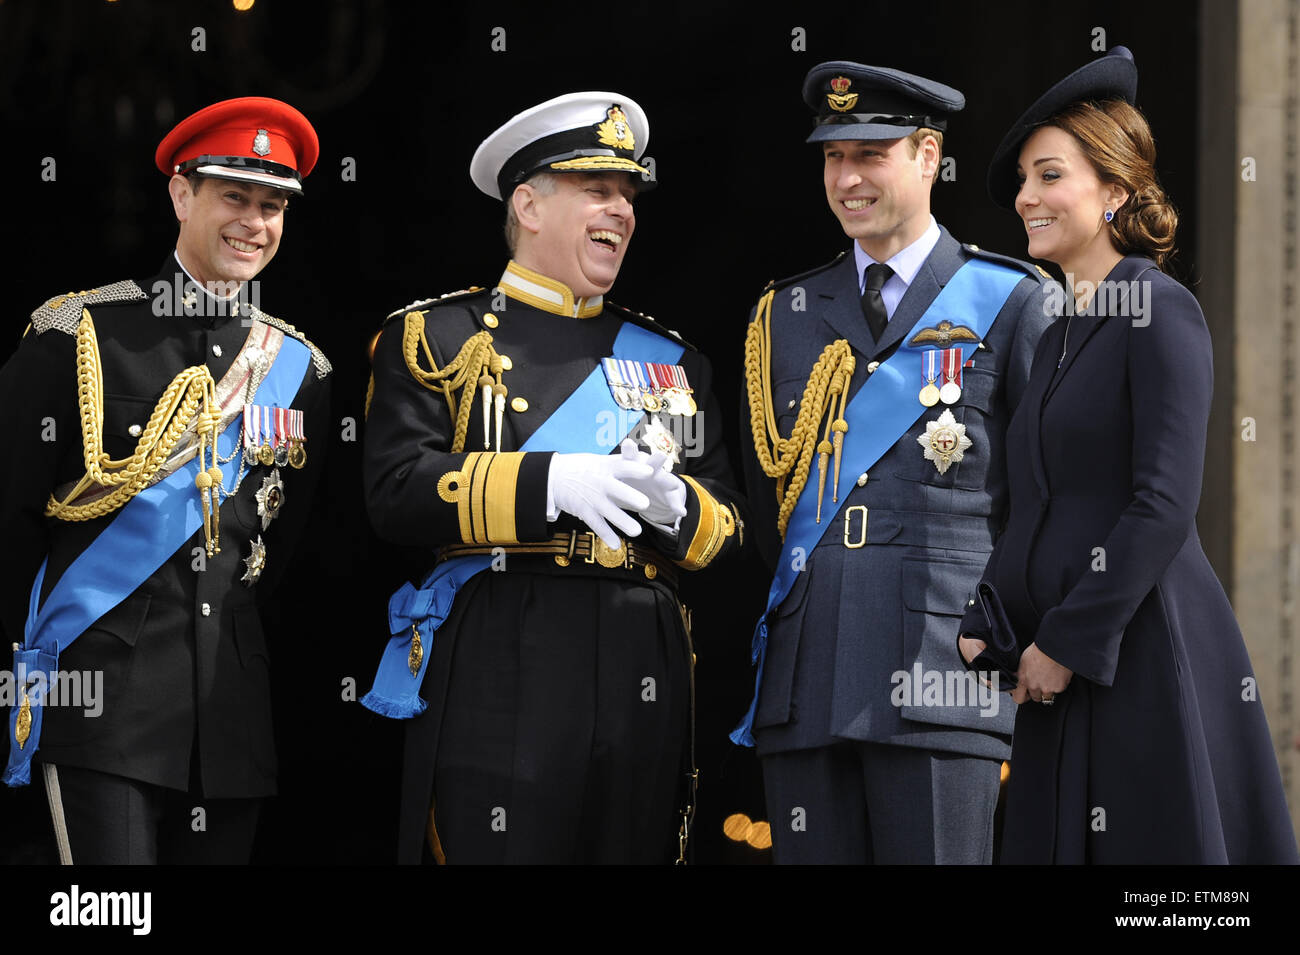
point(856, 617)
point(1158, 750)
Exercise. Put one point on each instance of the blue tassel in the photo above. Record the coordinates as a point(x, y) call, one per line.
point(395, 709)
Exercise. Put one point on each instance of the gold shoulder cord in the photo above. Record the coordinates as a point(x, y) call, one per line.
point(476, 365)
point(827, 385)
point(189, 397)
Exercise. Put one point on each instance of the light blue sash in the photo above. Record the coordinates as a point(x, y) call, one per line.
point(146, 532)
point(572, 428)
point(883, 410)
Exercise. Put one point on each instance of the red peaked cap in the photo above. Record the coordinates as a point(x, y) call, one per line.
point(251, 139)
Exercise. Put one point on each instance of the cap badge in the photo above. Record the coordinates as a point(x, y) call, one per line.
point(262, 142)
point(943, 334)
point(615, 131)
point(838, 99)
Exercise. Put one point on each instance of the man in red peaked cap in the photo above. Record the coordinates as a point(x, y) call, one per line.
point(171, 433)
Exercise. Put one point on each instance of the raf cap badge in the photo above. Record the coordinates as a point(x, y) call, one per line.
point(839, 99)
point(944, 441)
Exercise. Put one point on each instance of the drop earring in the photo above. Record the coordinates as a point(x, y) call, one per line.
point(1109, 215)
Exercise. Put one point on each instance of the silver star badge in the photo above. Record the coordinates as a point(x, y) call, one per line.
point(270, 498)
point(944, 441)
point(658, 438)
point(255, 561)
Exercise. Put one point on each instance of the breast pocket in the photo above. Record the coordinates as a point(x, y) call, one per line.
point(786, 395)
point(125, 420)
point(976, 412)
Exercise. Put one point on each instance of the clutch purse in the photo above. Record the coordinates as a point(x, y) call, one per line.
point(1001, 653)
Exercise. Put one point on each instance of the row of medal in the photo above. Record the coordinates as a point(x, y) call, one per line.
point(274, 436)
point(649, 386)
point(942, 365)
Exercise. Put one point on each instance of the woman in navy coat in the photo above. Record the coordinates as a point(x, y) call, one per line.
point(1142, 738)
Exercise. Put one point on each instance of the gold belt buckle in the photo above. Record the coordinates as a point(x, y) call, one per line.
point(848, 523)
point(601, 553)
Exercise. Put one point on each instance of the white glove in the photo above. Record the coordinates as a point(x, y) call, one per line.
point(665, 490)
point(596, 488)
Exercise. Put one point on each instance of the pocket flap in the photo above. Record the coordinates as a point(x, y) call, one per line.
point(939, 586)
point(126, 620)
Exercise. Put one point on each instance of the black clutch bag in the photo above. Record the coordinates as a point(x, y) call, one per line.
point(1001, 653)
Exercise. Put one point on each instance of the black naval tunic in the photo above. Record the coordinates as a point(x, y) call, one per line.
point(187, 702)
point(558, 696)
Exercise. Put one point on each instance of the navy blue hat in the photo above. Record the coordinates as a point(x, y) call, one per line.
point(853, 101)
point(1113, 76)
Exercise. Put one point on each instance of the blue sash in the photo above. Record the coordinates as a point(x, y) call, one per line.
point(570, 429)
point(146, 532)
point(883, 410)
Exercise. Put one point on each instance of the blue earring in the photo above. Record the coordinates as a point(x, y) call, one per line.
point(1109, 215)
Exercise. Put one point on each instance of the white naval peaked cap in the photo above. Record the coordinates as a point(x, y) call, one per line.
point(577, 132)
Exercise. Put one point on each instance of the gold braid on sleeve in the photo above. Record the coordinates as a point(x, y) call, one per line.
point(477, 366)
point(189, 398)
point(824, 397)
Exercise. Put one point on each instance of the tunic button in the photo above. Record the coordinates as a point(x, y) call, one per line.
point(206, 610)
point(971, 602)
point(490, 320)
point(862, 479)
point(872, 366)
point(519, 404)
point(216, 350)
point(506, 363)
point(134, 430)
point(791, 404)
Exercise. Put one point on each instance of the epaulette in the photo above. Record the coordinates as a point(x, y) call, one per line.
point(63, 312)
point(323, 366)
point(782, 283)
point(1035, 272)
point(645, 321)
point(437, 300)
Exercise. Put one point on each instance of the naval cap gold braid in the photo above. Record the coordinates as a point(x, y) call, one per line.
point(778, 456)
point(475, 361)
point(129, 476)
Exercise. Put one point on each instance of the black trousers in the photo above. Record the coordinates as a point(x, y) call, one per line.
point(112, 820)
point(855, 803)
point(564, 726)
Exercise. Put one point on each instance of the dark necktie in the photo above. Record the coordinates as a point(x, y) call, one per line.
point(873, 305)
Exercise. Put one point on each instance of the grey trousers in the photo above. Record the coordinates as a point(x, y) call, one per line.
point(856, 803)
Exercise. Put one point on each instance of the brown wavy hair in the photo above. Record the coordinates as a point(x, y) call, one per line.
point(1118, 142)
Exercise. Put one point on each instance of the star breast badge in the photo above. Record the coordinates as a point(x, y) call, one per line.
point(658, 438)
point(255, 561)
point(944, 441)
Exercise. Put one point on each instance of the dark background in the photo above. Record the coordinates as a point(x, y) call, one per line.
point(408, 93)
